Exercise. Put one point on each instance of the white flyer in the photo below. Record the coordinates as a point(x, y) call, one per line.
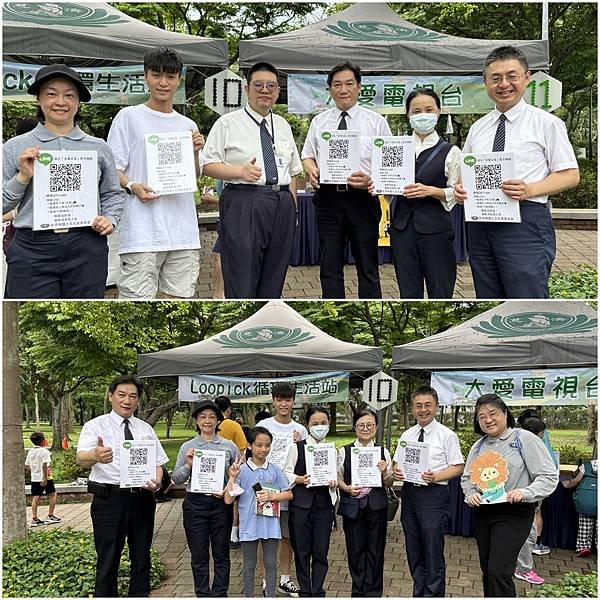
point(363, 466)
point(413, 459)
point(280, 447)
point(482, 175)
point(137, 462)
point(320, 463)
point(170, 162)
point(65, 189)
point(339, 155)
point(392, 163)
point(208, 472)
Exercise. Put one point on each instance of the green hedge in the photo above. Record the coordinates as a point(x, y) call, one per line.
point(572, 585)
point(585, 195)
point(65, 468)
point(61, 563)
point(581, 282)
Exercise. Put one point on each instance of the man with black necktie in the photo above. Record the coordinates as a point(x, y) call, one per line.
point(346, 212)
point(254, 152)
point(513, 260)
point(119, 513)
point(425, 508)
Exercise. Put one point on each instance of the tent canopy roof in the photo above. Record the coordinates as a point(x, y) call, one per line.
point(95, 34)
point(275, 339)
point(513, 335)
point(374, 37)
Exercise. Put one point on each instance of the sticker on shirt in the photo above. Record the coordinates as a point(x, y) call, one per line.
point(489, 472)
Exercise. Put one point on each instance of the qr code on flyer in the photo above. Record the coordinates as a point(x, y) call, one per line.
point(169, 153)
point(365, 461)
point(412, 455)
point(207, 464)
point(320, 458)
point(65, 177)
point(392, 156)
point(488, 176)
point(138, 456)
point(339, 149)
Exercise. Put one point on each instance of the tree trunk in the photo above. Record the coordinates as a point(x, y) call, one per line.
point(55, 405)
point(66, 416)
point(36, 401)
point(27, 416)
point(592, 424)
point(14, 514)
point(456, 411)
point(333, 413)
point(158, 412)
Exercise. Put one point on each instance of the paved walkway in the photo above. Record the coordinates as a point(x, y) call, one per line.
point(463, 577)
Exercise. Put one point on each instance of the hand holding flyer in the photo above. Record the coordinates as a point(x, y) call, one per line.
point(338, 155)
point(137, 463)
point(208, 471)
point(392, 163)
point(320, 463)
point(363, 466)
point(413, 459)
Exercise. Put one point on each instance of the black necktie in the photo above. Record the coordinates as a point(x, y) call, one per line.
point(500, 136)
point(128, 434)
point(343, 124)
point(421, 435)
point(266, 143)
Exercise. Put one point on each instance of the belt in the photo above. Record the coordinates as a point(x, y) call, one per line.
point(116, 487)
point(424, 485)
point(248, 186)
point(337, 187)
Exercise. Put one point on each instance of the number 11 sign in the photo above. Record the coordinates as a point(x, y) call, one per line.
point(380, 390)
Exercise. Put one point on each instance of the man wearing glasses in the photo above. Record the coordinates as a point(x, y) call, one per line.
point(425, 507)
point(254, 152)
point(513, 260)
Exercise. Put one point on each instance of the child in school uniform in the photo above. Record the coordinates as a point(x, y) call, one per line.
point(259, 487)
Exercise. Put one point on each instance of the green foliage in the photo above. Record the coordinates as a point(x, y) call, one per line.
point(65, 468)
point(61, 563)
point(585, 195)
point(571, 454)
point(572, 585)
point(467, 437)
point(577, 283)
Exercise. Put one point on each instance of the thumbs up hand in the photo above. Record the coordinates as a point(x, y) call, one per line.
point(103, 454)
point(250, 172)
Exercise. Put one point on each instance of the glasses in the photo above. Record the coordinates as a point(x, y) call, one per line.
point(365, 426)
point(271, 86)
point(511, 78)
point(490, 415)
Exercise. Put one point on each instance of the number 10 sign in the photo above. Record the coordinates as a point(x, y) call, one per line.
point(380, 390)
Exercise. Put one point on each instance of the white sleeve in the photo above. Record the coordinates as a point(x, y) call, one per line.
point(118, 140)
point(88, 438)
point(290, 464)
point(309, 150)
point(214, 148)
point(559, 152)
point(452, 172)
point(453, 453)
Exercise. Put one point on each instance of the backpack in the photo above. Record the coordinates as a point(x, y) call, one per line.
point(585, 496)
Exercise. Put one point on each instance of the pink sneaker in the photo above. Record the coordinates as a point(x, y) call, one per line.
point(531, 577)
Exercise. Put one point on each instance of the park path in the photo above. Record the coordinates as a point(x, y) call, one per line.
point(462, 578)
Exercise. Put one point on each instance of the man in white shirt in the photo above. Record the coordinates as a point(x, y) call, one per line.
point(118, 512)
point(254, 152)
point(425, 508)
point(284, 395)
point(346, 212)
point(159, 237)
point(513, 260)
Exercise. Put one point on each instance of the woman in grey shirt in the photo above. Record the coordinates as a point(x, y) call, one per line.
point(506, 473)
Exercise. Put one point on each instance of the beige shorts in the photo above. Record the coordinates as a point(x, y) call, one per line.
point(144, 274)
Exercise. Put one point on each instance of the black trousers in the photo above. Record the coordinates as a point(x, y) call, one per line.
point(123, 514)
point(424, 514)
point(46, 265)
point(513, 260)
point(348, 216)
point(207, 521)
point(365, 548)
point(257, 235)
point(423, 256)
point(310, 531)
point(500, 531)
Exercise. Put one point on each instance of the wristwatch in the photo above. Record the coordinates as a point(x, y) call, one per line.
point(128, 189)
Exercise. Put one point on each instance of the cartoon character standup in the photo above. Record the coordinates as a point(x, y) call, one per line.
point(489, 472)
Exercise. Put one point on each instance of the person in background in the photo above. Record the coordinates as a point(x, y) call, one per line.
point(364, 511)
point(421, 231)
point(511, 466)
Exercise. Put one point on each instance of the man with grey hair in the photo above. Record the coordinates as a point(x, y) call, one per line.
point(513, 260)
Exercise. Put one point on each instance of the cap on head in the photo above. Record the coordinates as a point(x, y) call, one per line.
point(59, 71)
point(212, 406)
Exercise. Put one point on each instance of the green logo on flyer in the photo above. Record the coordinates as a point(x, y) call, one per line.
point(153, 139)
point(469, 161)
point(403, 444)
point(355, 450)
point(326, 135)
point(378, 142)
point(127, 445)
point(45, 159)
point(310, 448)
point(268, 336)
point(534, 324)
point(198, 453)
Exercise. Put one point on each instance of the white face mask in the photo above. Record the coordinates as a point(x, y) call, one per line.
point(423, 123)
point(319, 432)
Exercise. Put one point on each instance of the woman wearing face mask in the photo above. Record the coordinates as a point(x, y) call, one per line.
point(311, 510)
point(421, 232)
point(364, 511)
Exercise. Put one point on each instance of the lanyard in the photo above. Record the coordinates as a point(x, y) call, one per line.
point(271, 135)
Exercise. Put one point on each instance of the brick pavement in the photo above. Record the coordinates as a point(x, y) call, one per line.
point(463, 577)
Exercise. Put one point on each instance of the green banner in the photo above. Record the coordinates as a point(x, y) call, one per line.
point(107, 85)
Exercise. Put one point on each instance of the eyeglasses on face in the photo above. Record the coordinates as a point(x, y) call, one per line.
point(511, 78)
point(271, 86)
point(365, 426)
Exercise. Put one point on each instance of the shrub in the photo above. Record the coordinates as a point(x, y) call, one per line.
point(577, 283)
point(572, 585)
point(467, 437)
point(61, 563)
point(570, 454)
point(585, 195)
point(65, 468)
